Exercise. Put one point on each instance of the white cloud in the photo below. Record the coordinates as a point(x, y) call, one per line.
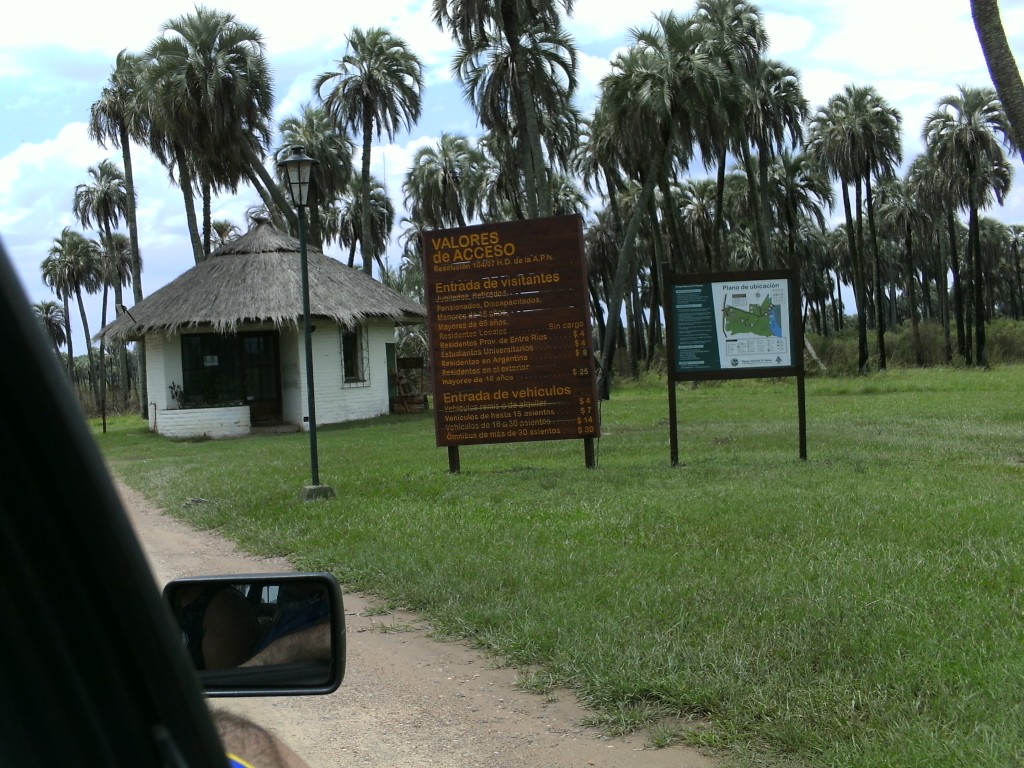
point(592, 70)
point(787, 33)
point(602, 21)
point(130, 24)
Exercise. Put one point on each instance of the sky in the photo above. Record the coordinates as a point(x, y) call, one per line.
point(53, 69)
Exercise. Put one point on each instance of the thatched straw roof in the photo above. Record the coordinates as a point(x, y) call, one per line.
point(257, 278)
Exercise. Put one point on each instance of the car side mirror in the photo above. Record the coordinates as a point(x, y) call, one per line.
point(279, 634)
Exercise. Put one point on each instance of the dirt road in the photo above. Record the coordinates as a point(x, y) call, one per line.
point(408, 701)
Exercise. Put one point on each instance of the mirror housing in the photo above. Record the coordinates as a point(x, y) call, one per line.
point(270, 634)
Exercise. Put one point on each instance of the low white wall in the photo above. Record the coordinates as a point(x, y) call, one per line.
point(231, 421)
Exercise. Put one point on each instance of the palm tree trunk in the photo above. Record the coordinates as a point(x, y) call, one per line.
point(365, 237)
point(764, 215)
point(1002, 67)
point(943, 312)
point(185, 182)
point(755, 207)
point(270, 187)
point(133, 239)
point(623, 270)
point(595, 307)
point(130, 215)
point(273, 210)
point(88, 346)
point(103, 362)
point(879, 282)
point(835, 305)
point(207, 226)
point(974, 245)
point(1019, 291)
point(538, 191)
point(633, 334)
point(719, 210)
point(67, 335)
point(118, 303)
point(669, 213)
point(958, 291)
point(911, 298)
point(316, 226)
point(859, 287)
point(659, 259)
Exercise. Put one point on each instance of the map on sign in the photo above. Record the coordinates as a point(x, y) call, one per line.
point(754, 323)
point(764, 319)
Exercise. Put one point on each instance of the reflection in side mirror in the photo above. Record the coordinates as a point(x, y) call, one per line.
point(274, 634)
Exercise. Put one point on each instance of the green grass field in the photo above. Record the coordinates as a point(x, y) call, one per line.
point(860, 608)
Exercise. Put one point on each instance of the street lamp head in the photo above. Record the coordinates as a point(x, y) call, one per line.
point(298, 170)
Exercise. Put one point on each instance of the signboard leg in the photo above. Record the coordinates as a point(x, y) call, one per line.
point(802, 407)
point(454, 467)
point(588, 452)
point(673, 428)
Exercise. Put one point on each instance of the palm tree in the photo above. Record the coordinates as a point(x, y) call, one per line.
point(734, 35)
point(104, 202)
point(377, 88)
point(56, 273)
point(51, 315)
point(655, 97)
point(222, 232)
point(114, 271)
point(901, 216)
point(486, 69)
point(883, 154)
point(324, 139)
point(816, 283)
point(967, 135)
point(344, 222)
point(473, 24)
point(774, 107)
point(798, 190)
point(442, 186)
point(121, 116)
point(72, 265)
point(502, 189)
point(566, 195)
point(697, 207)
point(856, 136)
point(935, 194)
point(411, 267)
point(994, 238)
point(211, 98)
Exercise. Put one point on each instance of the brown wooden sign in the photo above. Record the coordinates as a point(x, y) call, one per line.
point(511, 346)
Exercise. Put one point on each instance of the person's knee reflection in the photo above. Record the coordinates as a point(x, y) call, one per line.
point(219, 625)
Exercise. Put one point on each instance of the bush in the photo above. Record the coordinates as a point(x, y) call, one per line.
point(899, 345)
point(1004, 341)
point(837, 352)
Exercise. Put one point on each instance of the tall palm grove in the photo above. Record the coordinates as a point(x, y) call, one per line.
point(700, 154)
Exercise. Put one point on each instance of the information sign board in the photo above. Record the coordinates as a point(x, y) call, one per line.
point(733, 325)
point(510, 334)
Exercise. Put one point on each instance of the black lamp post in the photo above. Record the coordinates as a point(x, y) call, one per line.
point(299, 170)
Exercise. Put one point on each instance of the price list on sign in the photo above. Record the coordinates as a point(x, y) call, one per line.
point(511, 346)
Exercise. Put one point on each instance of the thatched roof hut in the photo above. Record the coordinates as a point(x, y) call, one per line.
point(257, 278)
